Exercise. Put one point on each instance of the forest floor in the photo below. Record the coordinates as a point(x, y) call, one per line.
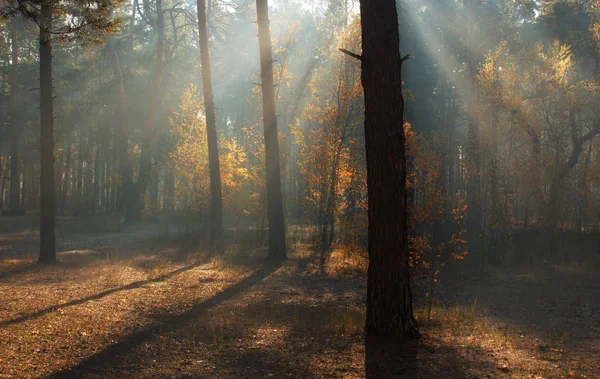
point(127, 305)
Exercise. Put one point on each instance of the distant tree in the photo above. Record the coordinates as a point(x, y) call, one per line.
point(277, 249)
point(135, 201)
point(47, 208)
point(216, 197)
point(15, 175)
point(389, 298)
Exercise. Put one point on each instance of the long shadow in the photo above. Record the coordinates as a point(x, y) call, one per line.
point(130, 286)
point(391, 358)
point(107, 356)
point(72, 261)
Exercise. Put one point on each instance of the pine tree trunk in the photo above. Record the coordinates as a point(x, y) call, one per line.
point(96, 184)
point(389, 299)
point(3, 185)
point(277, 248)
point(474, 210)
point(66, 181)
point(145, 170)
point(128, 191)
point(15, 174)
point(47, 210)
point(216, 202)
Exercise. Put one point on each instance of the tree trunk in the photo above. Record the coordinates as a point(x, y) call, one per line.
point(66, 181)
point(216, 202)
point(474, 210)
point(145, 169)
point(96, 184)
point(128, 191)
point(277, 248)
point(47, 210)
point(389, 299)
point(15, 174)
point(3, 167)
point(76, 204)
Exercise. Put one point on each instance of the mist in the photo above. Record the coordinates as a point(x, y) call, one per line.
point(306, 189)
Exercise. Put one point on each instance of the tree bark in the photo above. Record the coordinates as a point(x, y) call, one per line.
point(474, 208)
point(47, 210)
point(389, 299)
point(128, 190)
point(277, 248)
point(216, 200)
point(145, 168)
point(66, 181)
point(15, 174)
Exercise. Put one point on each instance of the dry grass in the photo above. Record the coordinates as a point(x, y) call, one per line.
point(152, 309)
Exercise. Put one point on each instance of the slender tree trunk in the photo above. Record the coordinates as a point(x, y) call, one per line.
point(15, 174)
point(66, 180)
point(3, 167)
point(216, 202)
point(474, 210)
point(145, 169)
point(47, 210)
point(79, 176)
point(58, 167)
point(277, 248)
point(96, 184)
point(128, 191)
point(389, 299)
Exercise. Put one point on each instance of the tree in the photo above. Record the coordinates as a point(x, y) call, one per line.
point(47, 209)
point(389, 298)
point(94, 16)
point(216, 197)
point(15, 176)
point(135, 201)
point(277, 250)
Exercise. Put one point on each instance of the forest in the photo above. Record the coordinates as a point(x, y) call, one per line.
point(303, 189)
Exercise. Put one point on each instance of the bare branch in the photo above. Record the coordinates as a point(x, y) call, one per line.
point(353, 55)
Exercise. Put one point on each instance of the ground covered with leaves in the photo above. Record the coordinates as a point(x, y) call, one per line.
point(130, 305)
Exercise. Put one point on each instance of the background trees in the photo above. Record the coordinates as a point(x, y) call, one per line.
point(501, 97)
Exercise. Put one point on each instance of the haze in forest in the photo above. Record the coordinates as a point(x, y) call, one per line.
point(308, 189)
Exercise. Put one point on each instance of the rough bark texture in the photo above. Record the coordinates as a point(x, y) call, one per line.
point(15, 175)
point(47, 210)
point(277, 250)
point(389, 300)
point(216, 200)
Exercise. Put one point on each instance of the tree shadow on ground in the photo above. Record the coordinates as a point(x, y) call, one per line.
point(387, 357)
point(84, 254)
point(104, 359)
point(100, 295)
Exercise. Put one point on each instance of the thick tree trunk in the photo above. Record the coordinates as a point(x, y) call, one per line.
point(389, 299)
point(216, 202)
point(47, 210)
point(15, 174)
point(277, 248)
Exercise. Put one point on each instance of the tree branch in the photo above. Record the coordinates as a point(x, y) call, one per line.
point(353, 55)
